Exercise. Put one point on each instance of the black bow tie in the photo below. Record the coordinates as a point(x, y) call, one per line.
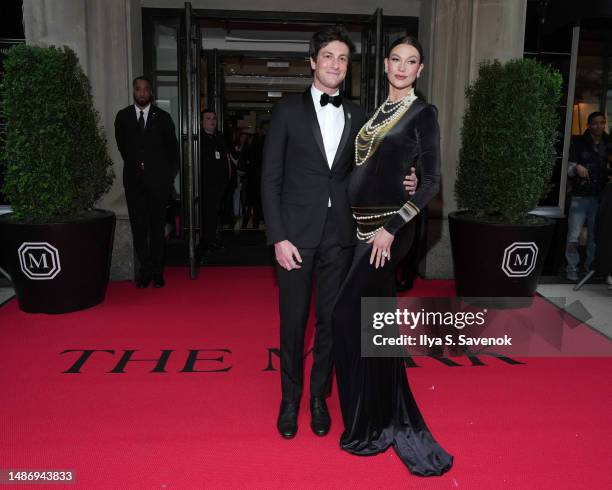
point(327, 99)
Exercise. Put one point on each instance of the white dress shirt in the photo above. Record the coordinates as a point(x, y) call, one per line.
point(144, 110)
point(331, 122)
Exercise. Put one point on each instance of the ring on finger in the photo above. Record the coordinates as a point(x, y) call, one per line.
point(385, 254)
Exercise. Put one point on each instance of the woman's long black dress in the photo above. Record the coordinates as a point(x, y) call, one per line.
point(378, 408)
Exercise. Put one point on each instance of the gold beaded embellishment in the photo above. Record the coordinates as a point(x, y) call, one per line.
point(372, 133)
point(371, 220)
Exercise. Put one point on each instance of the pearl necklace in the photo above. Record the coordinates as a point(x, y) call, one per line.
point(392, 105)
point(370, 130)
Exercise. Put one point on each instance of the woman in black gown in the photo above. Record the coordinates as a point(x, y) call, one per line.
point(378, 408)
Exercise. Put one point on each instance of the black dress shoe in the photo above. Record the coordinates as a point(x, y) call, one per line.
point(321, 420)
point(217, 247)
point(287, 419)
point(158, 281)
point(405, 285)
point(143, 282)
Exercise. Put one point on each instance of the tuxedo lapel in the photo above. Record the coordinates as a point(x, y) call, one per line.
point(313, 122)
point(151, 118)
point(133, 118)
point(345, 133)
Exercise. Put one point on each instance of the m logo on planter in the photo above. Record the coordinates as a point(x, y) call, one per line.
point(520, 259)
point(39, 261)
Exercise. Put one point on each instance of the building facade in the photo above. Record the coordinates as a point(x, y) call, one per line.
point(457, 35)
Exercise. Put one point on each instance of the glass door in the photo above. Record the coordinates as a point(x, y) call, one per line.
point(190, 43)
point(239, 64)
point(372, 85)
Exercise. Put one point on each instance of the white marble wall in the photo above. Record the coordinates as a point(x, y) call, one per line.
point(464, 33)
point(390, 7)
point(52, 23)
point(107, 37)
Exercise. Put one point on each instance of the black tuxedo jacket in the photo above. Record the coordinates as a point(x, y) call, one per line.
point(157, 148)
point(296, 181)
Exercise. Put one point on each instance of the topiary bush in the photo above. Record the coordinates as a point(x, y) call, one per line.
point(508, 139)
point(54, 149)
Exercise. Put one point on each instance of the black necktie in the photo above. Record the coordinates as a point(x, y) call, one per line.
point(335, 100)
point(141, 122)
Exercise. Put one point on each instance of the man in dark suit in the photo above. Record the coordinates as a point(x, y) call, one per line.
point(216, 175)
point(147, 142)
point(308, 156)
point(254, 160)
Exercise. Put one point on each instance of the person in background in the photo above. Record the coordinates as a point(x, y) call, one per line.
point(253, 179)
point(588, 170)
point(216, 175)
point(238, 156)
point(147, 142)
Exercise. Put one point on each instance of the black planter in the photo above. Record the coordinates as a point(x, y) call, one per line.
point(58, 267)
point(493, 260)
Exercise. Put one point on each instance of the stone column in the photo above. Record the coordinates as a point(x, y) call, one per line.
point(107, 37)
point(463, 33)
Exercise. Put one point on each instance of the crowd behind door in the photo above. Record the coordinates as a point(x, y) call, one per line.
point(231, 179)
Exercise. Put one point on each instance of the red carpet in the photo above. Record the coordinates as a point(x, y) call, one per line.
point(544, 424)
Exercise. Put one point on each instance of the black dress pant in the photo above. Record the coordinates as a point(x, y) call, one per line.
point(212, 202)
point(328, 264)
point(147, 211)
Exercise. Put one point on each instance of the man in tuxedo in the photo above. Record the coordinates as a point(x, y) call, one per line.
point(147, 142)
point(308, 155)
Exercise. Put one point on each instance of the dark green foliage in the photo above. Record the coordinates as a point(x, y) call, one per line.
point(508, 138)
point(55, 153)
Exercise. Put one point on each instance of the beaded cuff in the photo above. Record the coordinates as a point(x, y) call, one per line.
point(408, 211)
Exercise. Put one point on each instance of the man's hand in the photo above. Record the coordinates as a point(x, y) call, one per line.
point(411, 181)
point(381, 247)
point(287, 255)
point(582, 171)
